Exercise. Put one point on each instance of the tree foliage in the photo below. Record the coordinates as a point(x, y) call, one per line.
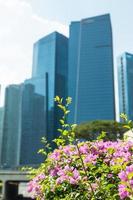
point(90, 130)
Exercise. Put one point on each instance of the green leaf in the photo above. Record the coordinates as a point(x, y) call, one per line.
point(123, 116)
point(65, 133)
point(130, 175)
point(111, 150)
point(60, 106)
point(102, 135)
point(59, 130)
point(73, 126)
point(127, 126)
point(66, 112)
point(57, 99)
point(69, 100)
point(62, 121)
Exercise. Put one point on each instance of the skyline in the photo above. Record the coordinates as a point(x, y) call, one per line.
point(23, 22)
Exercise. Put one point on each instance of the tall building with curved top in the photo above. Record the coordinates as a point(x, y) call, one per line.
point(90, 70)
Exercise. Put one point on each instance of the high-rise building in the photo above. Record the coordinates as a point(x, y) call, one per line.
point(23, 125)
point(125, 84)
point(30, 111)
point(50, 61)
point(32, 125)
point(1, 126)
point(11, 126)
point(90, 70)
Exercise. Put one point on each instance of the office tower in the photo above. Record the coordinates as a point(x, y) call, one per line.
point(0, 93)
point(125, 84)
point(90, 70)
point(30, 111)
point(32, 124)
point(1, 125)
point(50, 61)
point(11, 126)
point(23, 125)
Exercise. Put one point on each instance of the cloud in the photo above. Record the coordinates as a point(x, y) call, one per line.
point(20, 28)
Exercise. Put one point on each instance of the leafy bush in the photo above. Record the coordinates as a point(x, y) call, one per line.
point(83, 171)
point(90, 130)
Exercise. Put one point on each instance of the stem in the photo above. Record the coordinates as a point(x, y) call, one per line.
point(85, 170)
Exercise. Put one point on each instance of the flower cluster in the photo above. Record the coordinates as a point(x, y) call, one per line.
point(68, 174)
point(126, 186)
point(34, 186)
point(87, 170)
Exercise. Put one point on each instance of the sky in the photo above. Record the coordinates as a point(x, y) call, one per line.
point(23, 22)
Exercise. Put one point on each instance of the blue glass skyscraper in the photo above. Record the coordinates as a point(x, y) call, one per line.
point(30, 112)
point(90, 71)
point(1, 132)
point(50, 61)
point(23, 125)
point(32, 125)
point(125, 83)
point(11, 127)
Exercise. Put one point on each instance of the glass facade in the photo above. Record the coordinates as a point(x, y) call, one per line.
point(90, 70)
point(50, 61)
point(23, 124)
point(32, 123)
point(1, 132)
point(30, 112)
point(125, 83)
point(11, 126)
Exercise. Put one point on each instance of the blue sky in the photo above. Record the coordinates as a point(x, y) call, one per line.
point(22, 22)
point(66, 11)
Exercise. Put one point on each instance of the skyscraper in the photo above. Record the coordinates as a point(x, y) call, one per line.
point(32, 125)
point(1, 127)
point(11, 126)
point(30, 111)
point(50, 61)
point(125, 83)
point(23, 126)
point(90, 70)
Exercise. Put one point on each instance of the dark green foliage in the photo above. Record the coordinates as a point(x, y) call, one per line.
point(90, 130)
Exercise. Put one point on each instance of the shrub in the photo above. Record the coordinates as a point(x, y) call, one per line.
point(90, 130)
point(91, 170)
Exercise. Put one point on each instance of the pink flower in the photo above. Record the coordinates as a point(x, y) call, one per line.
point(41, 177)
point(35, 189)
point(54, 172)
point(129, 169)
point(72, 181)
point(62, 179)
point(90, 158)
point(69, 174)
point(131, 183)
point(110, 175)
point(123, 176)
point(84, 149)
point(55, 155)
point(76, 174)
point(68, 150)
point(123, 192)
